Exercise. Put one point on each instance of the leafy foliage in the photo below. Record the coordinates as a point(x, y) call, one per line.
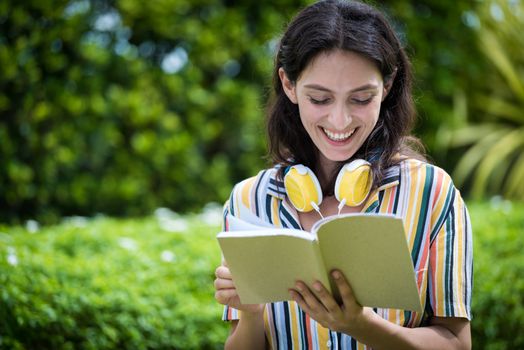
point(498, 293)
point(111, 284)
point(494, 159)
point(141, 104)
point(445, 60)
point(148, 283)
point(120, 107)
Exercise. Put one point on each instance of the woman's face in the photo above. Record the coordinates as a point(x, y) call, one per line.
point(338, 96)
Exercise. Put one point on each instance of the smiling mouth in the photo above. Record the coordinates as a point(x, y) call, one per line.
point(338, 137)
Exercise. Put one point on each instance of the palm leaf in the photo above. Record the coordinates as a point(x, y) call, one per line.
point(508, 144)
point(472, 133)
point(495, 160)
point(497, 106)
point(515, 184)
point(492, 48)
point(474, 155)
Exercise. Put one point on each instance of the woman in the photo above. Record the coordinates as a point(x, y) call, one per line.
point(342, 85)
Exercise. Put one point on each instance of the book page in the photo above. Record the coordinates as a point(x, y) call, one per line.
point(372, 252)
point(254, 223)
point(265, 264)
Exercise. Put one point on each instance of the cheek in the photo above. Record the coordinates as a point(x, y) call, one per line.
point(308, 114)
point(373, 112)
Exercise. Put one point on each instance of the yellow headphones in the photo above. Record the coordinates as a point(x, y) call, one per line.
point(352, 186)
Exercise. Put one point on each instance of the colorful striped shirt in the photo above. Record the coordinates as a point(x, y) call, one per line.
point(438, 233)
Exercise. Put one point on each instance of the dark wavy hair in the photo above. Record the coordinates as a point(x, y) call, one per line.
point(353, 26)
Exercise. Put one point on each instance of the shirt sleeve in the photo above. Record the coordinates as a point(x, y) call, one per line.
point(451, 261)
point(229, 313)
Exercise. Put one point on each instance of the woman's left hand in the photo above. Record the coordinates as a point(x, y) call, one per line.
point(321, 306)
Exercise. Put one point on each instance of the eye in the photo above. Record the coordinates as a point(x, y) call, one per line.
point(362, 100)
point(319, 101)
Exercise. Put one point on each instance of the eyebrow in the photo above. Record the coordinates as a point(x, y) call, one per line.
point(358, 89)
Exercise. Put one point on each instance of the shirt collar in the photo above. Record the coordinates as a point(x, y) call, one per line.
point(276, 186)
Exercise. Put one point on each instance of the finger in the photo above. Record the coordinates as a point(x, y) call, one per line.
point(309, 298)
point(227, 296)
point(221, 283)
point(345, 290)
point(325, 297)
point(297, 297)
point(223, 272)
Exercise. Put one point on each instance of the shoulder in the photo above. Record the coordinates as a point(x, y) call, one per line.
point(428, 187)
point(429, 200)
point(251, 194)
point(423, 175)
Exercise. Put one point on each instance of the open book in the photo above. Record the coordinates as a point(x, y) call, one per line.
point(370, 249)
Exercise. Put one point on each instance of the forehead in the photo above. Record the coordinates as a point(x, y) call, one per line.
point(340, 69)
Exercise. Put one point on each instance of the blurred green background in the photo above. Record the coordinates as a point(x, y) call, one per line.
point(118, 108)
point(121, 107)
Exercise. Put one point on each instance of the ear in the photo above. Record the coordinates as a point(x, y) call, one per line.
point(388, 83)
point(288, 86)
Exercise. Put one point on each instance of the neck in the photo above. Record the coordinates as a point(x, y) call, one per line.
point(325, 170)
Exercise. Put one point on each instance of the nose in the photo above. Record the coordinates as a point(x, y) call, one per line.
point(340, 116)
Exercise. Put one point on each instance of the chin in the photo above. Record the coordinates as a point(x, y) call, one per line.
point(338, 157)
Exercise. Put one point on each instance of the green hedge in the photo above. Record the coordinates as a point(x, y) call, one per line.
point(498, 294)
point(111, 284)
point(148, 284)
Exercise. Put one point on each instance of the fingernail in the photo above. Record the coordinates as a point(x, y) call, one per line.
point(336, 275)
point(317, 286)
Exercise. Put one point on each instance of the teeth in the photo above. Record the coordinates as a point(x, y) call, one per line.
point(337, 136)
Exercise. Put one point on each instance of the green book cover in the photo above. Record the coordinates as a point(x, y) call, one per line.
point(370, 249)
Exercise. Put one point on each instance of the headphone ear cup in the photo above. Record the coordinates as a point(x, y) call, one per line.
point(302, 188)
point(354, 182)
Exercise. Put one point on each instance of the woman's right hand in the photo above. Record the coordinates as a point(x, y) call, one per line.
point(226, 293)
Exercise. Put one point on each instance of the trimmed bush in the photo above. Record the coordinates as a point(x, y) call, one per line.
point(498, 294)
point(148, 284)
point(111, 284)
